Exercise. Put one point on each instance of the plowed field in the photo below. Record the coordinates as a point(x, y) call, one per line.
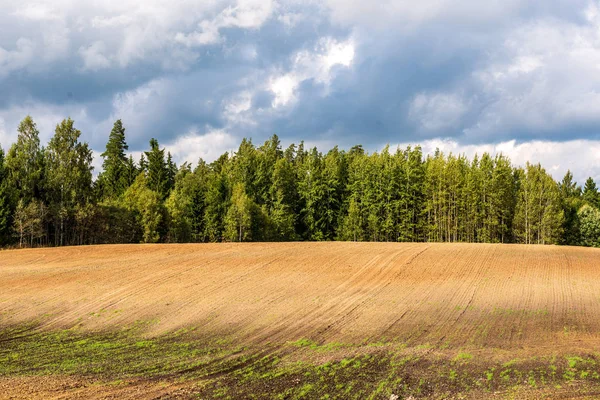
point(450, 312)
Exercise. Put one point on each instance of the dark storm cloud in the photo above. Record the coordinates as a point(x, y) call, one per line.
point(343, 72)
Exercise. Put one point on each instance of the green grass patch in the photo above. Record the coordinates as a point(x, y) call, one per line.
point(228, 369)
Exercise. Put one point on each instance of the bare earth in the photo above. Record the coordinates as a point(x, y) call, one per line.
point(490, 300)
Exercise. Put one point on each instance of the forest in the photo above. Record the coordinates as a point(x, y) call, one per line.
point(49, 197)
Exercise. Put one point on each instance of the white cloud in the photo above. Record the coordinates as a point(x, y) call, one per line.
point(524, 64)
point(407, 14)
point(317, 64)
point(238, 109)
point(93, 57)
point(37, 12)
point(543, 79)
point(283, 87)
point(20, 57)
point(341, 53)
point(499, 69)
point(291, 19)
point(5, 138)
point(140, 108)
point(111, 22)
point(208, 146)
point(131, 31)
point(96, 163)
point(247, 14)
point(437, 111)
point(46, 117)
point(137, 100)
point(208, 34)
point(42, 26)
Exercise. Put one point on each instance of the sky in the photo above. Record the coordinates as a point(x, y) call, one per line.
point(516, 77)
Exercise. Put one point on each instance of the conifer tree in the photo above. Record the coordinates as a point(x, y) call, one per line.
point(590, 193)
point(143, 164)
point(131, 171)
point(268, 154)
point(333, 181)
point(244, 167)
point(115, 177)
point(284, 196)
point(197, 192)
point(158, 171)
point(353, 220)
point(571, 202)
point(5, 203)
point(171, 172)
point(312, 191)
point(217, 198)
point(264, 193)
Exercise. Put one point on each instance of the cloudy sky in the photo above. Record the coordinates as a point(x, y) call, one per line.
point(512, 76)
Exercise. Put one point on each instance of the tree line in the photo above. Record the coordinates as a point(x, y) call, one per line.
point(48, 196)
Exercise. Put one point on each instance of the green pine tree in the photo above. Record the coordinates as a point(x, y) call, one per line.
point(284, 196)
point(158, 170)
point(6, 208)
point(115, 177)
point(216, 198)
point(590, 193)
point(571, 200)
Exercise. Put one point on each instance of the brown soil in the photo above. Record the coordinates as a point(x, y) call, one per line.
point(491, 300)
point(70, 387)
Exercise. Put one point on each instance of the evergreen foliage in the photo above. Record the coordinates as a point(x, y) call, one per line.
point(572, 201)
point(5, 202)
point(48, 197)
point(116, 177)
point(590, 193)
point(158, 170)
